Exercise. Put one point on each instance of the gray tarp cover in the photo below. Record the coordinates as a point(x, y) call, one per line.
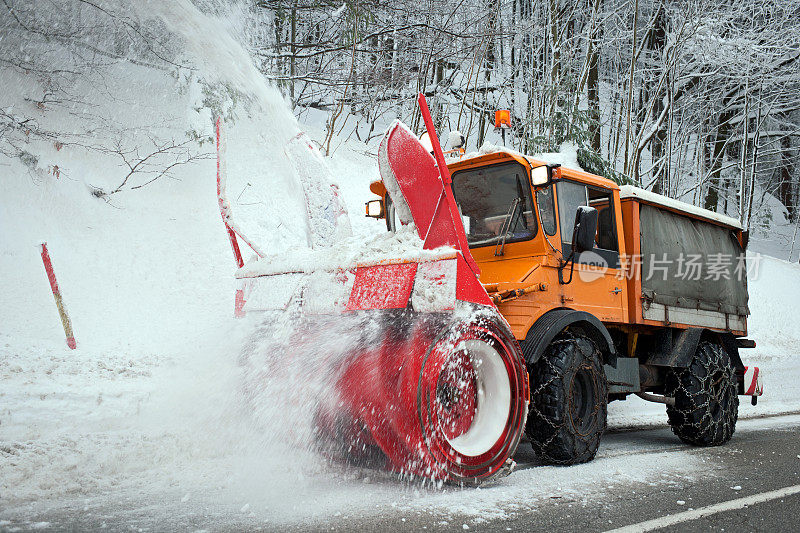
point(686, 242)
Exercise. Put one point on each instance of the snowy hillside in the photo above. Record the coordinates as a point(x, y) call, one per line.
point(150, 407)
point(150, 399)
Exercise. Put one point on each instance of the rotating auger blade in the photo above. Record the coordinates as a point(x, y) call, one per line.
point(431, 378)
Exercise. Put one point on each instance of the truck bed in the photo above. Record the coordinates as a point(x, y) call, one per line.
point(688, 265)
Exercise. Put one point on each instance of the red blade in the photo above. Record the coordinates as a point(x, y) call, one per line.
point(382, 287)
point(413, 180)
point(448, 226)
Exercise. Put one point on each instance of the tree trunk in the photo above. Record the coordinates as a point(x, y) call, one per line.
point(717, 157)
point(786, 190)
point(629, 102)
point(656, 43)
point(593, 87)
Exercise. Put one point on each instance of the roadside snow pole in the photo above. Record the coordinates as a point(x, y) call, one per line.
point(62, 310)
point(238, 306)
point(237, 254)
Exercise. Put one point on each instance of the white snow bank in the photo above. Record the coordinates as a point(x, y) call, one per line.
point(151, 400)
point(774, 295)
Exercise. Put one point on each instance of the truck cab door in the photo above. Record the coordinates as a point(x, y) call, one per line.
point(598, 281)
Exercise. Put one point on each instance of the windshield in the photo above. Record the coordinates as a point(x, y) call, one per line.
point(495, 201)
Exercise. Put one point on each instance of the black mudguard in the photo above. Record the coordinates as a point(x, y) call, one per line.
point(684, 345)
point(550, 324)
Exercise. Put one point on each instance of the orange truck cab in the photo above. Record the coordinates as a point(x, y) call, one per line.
point(609, 290)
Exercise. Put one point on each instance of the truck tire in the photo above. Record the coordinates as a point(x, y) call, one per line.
point(569, 397)
point(706, 403)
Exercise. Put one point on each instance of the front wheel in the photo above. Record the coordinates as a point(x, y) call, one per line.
point(569, 397)
point(706, 405)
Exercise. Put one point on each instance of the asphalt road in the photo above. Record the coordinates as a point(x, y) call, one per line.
point(758, 462)
point(764, 456)
point(750, 484)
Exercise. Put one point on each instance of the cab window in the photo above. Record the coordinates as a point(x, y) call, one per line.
point(570, 196)
point(495, 202)
point(547, 209)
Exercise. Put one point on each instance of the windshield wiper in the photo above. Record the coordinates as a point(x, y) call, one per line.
point(506, 227)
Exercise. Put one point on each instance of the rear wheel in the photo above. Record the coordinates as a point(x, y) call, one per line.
point(569, 397)
point(706, 403)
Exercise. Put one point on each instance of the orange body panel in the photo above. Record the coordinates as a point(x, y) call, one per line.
point(630, 221)
point(613, 295)
point(596, 290)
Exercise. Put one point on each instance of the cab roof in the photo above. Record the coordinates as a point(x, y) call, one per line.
point(501, 155)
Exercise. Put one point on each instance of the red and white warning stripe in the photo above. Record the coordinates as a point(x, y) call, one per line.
point(753, 384)
point(62, 308)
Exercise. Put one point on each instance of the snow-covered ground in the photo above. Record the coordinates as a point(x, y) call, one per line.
point(150, 402)
point(150, 405)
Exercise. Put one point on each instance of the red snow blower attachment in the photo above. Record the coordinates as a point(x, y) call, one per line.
point(432, 378)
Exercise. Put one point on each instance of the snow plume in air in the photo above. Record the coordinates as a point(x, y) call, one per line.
point(221, 58)
point(265, 197)
point(282, 415)
point(291, 365)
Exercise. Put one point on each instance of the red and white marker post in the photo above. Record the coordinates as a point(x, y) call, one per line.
point(223, 207)
point(62, 310)
point(238, 309)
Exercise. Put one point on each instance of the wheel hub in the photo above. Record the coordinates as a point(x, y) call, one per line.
point(582, 403)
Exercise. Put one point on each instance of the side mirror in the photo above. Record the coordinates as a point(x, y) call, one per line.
point(545, 175)
point(375, 209)
point(585, 229)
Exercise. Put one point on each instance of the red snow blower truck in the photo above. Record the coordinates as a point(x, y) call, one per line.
point(458, 305)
